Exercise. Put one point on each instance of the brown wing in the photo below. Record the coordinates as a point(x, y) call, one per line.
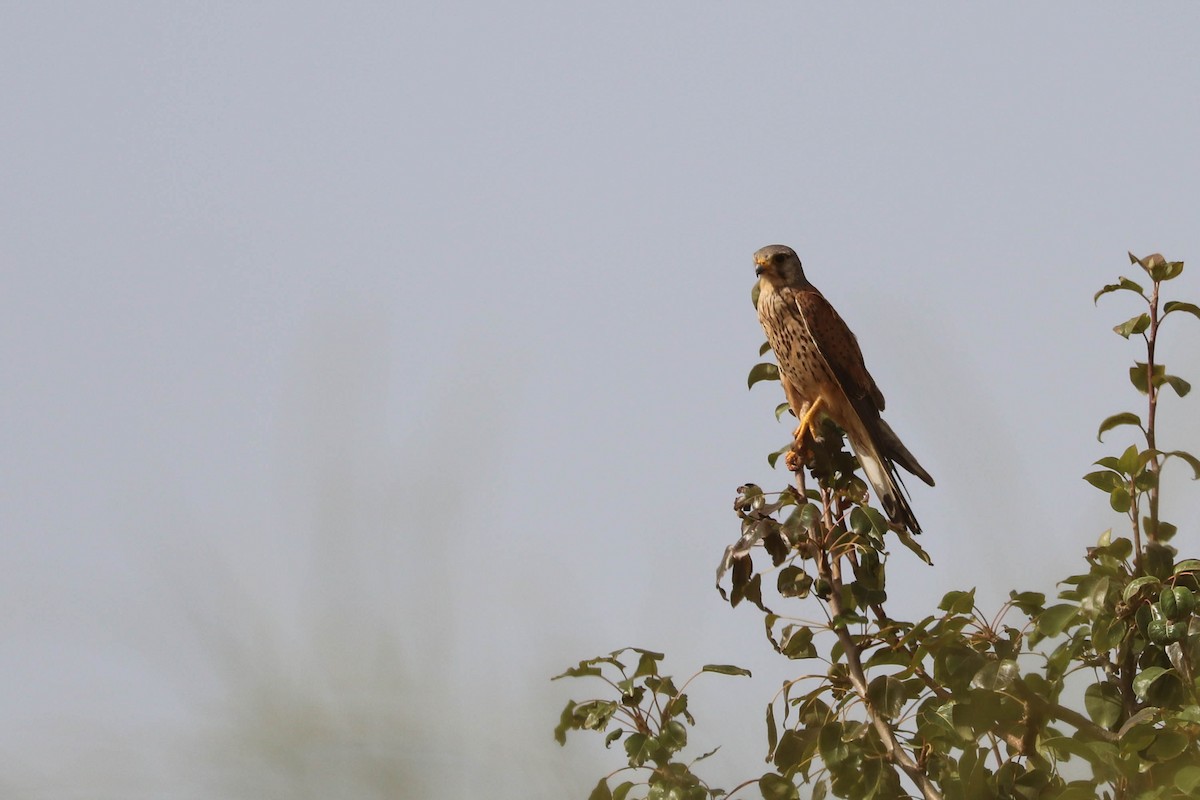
point(839, 347)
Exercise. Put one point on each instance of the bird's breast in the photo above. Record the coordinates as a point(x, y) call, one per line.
point(800, 360)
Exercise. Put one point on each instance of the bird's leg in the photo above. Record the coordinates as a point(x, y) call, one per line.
point(801, 454)
point(806, 420)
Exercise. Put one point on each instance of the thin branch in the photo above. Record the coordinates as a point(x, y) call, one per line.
point(885, 635)
point(831, 572)
point(1067, 715)
point(741, 786)
point(1152, 400)
point(1134, 517)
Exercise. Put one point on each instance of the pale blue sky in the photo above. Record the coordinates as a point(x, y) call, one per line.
point(381, 361)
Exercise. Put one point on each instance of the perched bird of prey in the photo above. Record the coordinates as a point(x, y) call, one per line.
point(822, 372)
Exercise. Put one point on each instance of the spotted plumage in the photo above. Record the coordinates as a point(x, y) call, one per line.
point(823, 372)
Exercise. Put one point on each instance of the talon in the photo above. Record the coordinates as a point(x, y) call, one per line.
point(806, 421)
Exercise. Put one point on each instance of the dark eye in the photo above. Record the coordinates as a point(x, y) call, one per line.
point(778, 258)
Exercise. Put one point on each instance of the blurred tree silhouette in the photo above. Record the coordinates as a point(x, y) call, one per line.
point(328, 712)
point(958, 704)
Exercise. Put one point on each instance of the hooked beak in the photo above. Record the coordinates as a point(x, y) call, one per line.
point(760, 268)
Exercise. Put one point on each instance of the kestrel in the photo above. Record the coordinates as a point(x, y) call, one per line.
point(822, 372)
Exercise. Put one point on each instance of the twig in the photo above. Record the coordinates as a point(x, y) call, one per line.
point(1152, 400)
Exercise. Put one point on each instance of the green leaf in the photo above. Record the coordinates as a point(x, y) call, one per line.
point(648, 664)
point(886, 656)
point(908, 541)
point(641, 650)
point(1055, 619)
point(1124, 418)
point(1073, 747)
point(1130, 460)
point(996, 675)
point(1180, 386)
point(622, 791)
point(1138, 376)
point(1192, 461)
point(958, 602)
point(1189, 713)
point(725, 669)
point(601, 792)
point(793, 582)
point(1093, 592)
point(595, 714)
point(1104, 759)
point(876, 522)
point(1145, 480)
point(1166, 270)
point(754, 293)
point(985, 709)
point(879, 780)
point(1104, 480)
point(1120, 500)
point(661, 685)
point(1144, 679)
point(1133, 325)
point(762, 351)
point(1123, 283)
point(772, 730)
point(631, 695)
point(936, 721)
point(1158, 559)
point(798, 642)
point(793, 749)
point(640, 747)
point(776, 787)
point(782, 409)
point(832, 745)
point(750, 590)
point(1145, 717)
point(1121, 549)
point(1167, 745)
point(762, 372)
point(1135, 585)
point(585, 668)
point(1187, 565)
point(773, 457)
point(1103, 703)
point(1187, 308)
point(1151, 264)
point(887, 695)
point(566, 722)
point(1029, 602)
point(1187, 780)
point(1108, 633)
point(673, 737)
point(1165, 531)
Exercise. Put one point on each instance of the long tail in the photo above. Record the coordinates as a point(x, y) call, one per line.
point(879, 449)
point(894, 449)
point(889, 489)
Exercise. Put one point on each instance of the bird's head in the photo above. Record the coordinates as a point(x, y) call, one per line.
point(779, 264)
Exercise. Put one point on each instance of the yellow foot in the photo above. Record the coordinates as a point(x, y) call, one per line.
point(806, 421)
